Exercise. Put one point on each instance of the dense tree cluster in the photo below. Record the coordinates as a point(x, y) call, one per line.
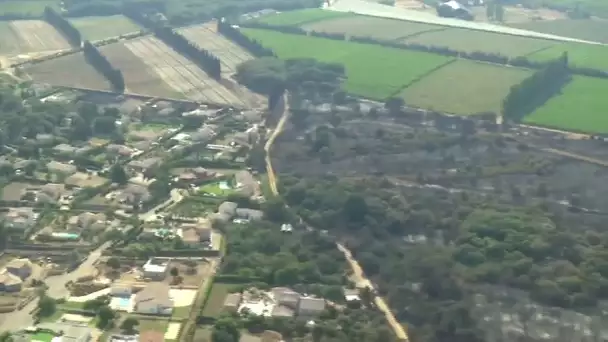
point(233, 33)
point(201, 57)
point(64, 26)
point(535, 90)
point(103, 66)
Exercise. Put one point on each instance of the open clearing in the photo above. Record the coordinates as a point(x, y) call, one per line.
point(99, 28)
point(588, 29)
point(378, 28)
point(68, 71)
point(179, 73)
point(580, 107)
point(205, 36)
point(588, 56)
point(374, 72)
point(300, 17)
point(464, 87)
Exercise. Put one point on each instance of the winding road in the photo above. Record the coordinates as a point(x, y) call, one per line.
point(358, 274)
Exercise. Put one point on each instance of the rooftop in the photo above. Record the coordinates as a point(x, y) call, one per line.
point(156, 266)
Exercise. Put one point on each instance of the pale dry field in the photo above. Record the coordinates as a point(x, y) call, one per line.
point(21, 40)
point(68, 71)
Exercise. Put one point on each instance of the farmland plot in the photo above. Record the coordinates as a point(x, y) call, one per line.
point(38, 36)
point(205, 36)
point(68, 71)
point(98, 28)
point(180, 73)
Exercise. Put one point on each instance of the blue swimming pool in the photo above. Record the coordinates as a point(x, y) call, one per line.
point(124, 303)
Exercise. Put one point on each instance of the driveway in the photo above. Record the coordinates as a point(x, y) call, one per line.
point(17, 320)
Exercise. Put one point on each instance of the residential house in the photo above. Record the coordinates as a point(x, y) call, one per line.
point(50, 193)
point(154, 299)
point(134, 194)
point(10, 282)
point(145, 165)
point(249, 214)
point(61, 168)
point(44, 138)
point(70, 332)
point(204, 135)
point(228, 208)
point(195, 235)
point(23, 164)
point(119, 150)
point(286, 297)
point(22, 268)
point(20, 219)
point(121, 291)
point(87, 220)
point(310, 306)
point(156, 269)
point(232, 302)
point(65, 149)
point(282, 311)
point(196, 175)
point(246, 184)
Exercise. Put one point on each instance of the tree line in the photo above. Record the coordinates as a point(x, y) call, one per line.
point(103, 66)
point(62, 25)
point(535, 90)
point(481, 56)
point(251, 45)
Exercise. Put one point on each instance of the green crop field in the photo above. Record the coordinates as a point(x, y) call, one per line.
point(471, 40)
point(98, 28)
point(582, 55)
point(582, 106)
point(464, 87)
point(365, 26)
point(28, 8)
point(300, 17)
point(372, 71)
point(595, 30)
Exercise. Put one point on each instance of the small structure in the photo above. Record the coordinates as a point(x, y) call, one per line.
point(87, 220)
point(249, 214)
point(156, 269)
point(203, 135)
point(454, 9)
point(133, 194)
point(71, 332)
point(121, 291)
point(232, 302)
point(22, 268)
point(61, 168)
point(119, 150)
point(154, 299)
point(145, 165)
point(310, 306)
point(20, 219)
point(245, 183)
point(64, 149)
point(50, 193)
point(10, 282)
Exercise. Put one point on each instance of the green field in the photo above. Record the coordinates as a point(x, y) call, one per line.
point(374, 72)
point(471, 40)
point(464, 87)
point(99, 28)
point(365, 26)
point(582, 55)
point(582, 106)
point(300, 17)
point(591, 29)
point(43, 337)
point(28, 8)
point(215, 302)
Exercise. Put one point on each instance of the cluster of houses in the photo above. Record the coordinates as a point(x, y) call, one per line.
point(196, 234)
point(230, 211)
point(153, 299)
point(14, 274)
point(278, 302)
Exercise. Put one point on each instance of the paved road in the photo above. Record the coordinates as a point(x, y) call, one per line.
point(379, 10)
point(19, 319)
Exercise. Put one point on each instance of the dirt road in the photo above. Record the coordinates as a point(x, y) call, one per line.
point(359, 276)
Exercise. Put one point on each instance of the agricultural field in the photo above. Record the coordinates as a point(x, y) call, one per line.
point(206, 36)
point(158, 62)
point(472, 40)
point(300, 17)
point(23, 39)
point(464, 87)
point(595, 30)
point(99, 28)
point(581, 107)
point(68, 71)
point(374, 72)
point(582, 55)
point(380, 28)
point(28, 8)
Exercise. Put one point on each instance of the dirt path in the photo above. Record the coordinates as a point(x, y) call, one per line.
point(358, 275)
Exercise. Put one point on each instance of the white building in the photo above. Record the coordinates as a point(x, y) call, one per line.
point(156, 269)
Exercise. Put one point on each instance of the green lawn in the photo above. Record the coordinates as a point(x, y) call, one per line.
point(31, 8)
point(582, 55)
point(181, 312)
point(366, 26)
point(152, 324)
point(590, 29)
point(464, 87)
point(215, 302)
point(582, 107)
point(300, 17)
point(373, 71)
point(471, 40)
point(43, 336)
point(215, 189)
point(99, 28)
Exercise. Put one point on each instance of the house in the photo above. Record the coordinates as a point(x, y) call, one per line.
point(154, 299)
point(121, 291)
point(282, 311)
point(193, 235)
point(23, 164)
point(204, 134)
point(50, 193)
point(246, 184)
point(249, 214)
point(151, 336)
point(64, 149)
point(61, 168)
point(145, 165)
point(134, 194)
point(454, 9)
point(21, 219)
point(286, 297)
point(70, 332)
point(232, 302)
point(310, 306)
point(22, 268)
point(228, 208)
point(119, 150)
point(87, 220)
point(156, 269)
point(10, 282)
point(352, 295)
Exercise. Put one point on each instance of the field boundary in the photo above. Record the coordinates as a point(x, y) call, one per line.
point(420, 77)
point(416, 34)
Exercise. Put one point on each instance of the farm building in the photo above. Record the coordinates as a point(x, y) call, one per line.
point(154, 299)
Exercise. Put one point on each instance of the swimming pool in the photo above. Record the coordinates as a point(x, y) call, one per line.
point(67, 236)
point(121, 303)
point(223, 185)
